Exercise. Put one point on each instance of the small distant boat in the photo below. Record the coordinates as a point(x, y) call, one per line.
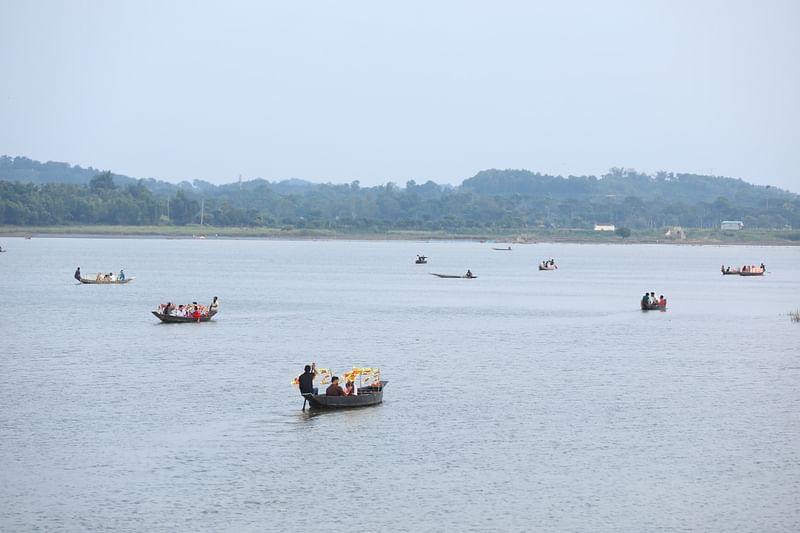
point(172, 319)
point(653, 307)
point(421, 259)
point(744, 271)
point(102, 280)
point(465, 276)
point(548, 267)
point(366, 396)
point(502, 249)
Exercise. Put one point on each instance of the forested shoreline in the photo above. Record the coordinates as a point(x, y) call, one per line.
point(55, 194)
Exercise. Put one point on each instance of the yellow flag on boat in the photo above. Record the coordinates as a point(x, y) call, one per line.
point(370, 376)
point(324, 376)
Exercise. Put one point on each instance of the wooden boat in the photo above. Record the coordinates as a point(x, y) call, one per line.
point(548, 267)
point(453, 276)
point(103, 281)
point(746, 271)
point(171, 319)
point(421, 260)
point(653, 307)
point(366, 396)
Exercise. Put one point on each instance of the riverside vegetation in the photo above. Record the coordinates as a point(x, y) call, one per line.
point(493, 202)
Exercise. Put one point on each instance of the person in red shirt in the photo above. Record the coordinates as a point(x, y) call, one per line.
point(196, 314)
point(334, 389)
point(662, 302)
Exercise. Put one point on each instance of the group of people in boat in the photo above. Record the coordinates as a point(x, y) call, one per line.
point(760, 269)
point(192, 310)
point(649, 299)
point(101, 276)
point(334, 389)
point(422, 258)
point(548, 264)
point(306, 383)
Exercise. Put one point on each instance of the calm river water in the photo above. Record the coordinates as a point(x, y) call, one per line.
point(518, 401)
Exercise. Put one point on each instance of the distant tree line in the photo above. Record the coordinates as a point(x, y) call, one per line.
point(493, 200)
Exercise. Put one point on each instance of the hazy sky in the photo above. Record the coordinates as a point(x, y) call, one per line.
point(390, 91)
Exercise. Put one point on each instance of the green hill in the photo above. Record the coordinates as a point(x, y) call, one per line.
point(33, 193)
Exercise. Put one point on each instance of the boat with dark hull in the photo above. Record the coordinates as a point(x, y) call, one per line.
point(473, 276)
point(105, 281)
point(653, 307)
point(172, 319)
point(366, 396)
point(421, 260)
point(548, 267)
point(744, 271)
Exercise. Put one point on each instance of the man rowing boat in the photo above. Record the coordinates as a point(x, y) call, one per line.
point(306, 380)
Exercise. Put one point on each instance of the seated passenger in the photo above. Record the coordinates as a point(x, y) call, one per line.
point(662, 302)
point(349, 389)
point(334, 389)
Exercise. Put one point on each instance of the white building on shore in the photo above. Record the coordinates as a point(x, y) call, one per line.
point(733, 225)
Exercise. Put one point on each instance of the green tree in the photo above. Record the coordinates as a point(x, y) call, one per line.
point(182, 209)
point(102, 182)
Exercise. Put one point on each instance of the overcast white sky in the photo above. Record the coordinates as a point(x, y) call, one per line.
point(390, 91)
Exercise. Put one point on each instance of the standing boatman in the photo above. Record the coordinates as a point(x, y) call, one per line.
point(306, 380)
point(78, 274)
